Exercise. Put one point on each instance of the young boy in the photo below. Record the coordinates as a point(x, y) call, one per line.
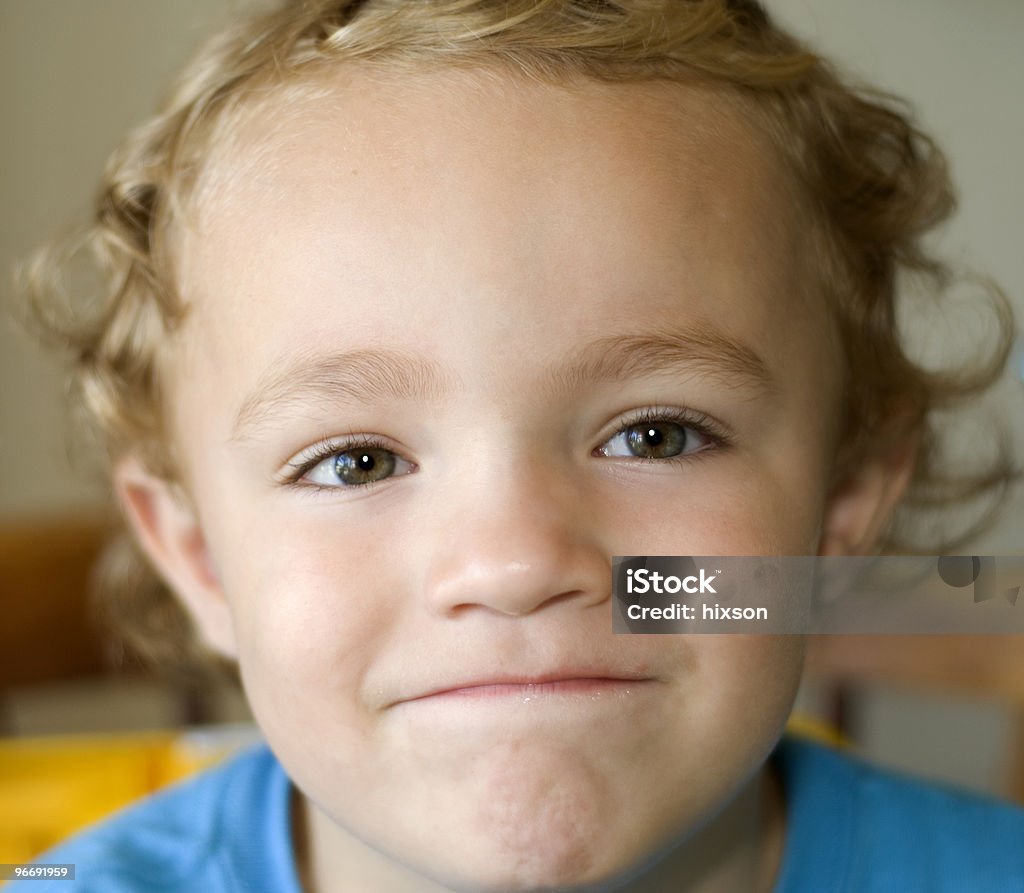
point(420, 312)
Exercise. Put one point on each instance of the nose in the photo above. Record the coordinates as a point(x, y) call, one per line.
point(515, 543)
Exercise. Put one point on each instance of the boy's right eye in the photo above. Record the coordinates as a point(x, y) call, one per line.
point(327, 466)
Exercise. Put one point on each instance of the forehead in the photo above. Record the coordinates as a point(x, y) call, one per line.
point(488, 140)
point(378, 208)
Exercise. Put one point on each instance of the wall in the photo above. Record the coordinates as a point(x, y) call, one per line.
point(74, 76)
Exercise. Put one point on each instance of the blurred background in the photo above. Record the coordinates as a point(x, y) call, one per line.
point(75, 75)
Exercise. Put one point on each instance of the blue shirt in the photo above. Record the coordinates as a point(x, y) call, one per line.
point(850, 828)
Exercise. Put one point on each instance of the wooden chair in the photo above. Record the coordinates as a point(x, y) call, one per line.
point(48, 633)
point(46, 629)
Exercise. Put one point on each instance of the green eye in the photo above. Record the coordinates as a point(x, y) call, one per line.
point(656, 439)
point(355, 466)
point(363, 466)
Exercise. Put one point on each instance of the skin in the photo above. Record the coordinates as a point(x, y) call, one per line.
point(491, 227)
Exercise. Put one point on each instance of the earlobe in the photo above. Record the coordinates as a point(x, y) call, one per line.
point(169, 532)
point(861, 506)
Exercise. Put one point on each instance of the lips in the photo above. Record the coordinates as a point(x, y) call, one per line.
point(566, 682)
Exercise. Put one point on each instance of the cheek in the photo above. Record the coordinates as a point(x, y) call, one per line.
point(735, 691)
point(733, 509)
point(731, 714)
point(756, 675)
point(310, 611)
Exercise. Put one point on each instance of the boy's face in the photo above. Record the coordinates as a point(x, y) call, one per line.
point(512, 308)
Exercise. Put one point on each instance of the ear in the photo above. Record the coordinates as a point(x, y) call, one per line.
point(167, 528)
point(862, 504)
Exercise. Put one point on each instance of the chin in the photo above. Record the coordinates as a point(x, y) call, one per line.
point(557, 866)
point(539, 818)
point(555, 852)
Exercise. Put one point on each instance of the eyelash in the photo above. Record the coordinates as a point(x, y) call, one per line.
point(693, 419)
point(686, 418)
point(306, 461)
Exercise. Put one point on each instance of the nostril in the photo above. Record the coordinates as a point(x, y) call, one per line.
point(511, 609)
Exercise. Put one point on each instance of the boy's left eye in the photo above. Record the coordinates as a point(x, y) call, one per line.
point(655, 439)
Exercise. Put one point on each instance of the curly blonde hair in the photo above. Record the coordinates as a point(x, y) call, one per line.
point(872, 183)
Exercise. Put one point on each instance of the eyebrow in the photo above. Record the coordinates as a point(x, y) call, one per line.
point(358, 376)
point(702, 350)
point(367, 376)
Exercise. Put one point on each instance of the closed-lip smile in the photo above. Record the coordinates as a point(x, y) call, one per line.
point(576, 682)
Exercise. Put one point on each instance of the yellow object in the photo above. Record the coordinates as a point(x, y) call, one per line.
point(805, 726)
point(52, 787)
